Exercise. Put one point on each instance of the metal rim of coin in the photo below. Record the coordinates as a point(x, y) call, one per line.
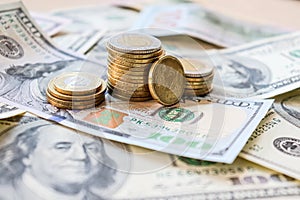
point(71, 103)
point(166, 95)
point(136, 43)
point(195, 68)
point(189, 92)
point(132, 60)
point(129, 71)
point(133, 93)
point(127, 89)
point(127, 64)
point(73, 107)
point(128, 78)
point(196, 87)
point(58, 95)
point(136, 99)
point(199, 79)
point(135, 56)
point(87, 83)
point(197, 83)
point(134, 68)
point(126, 83)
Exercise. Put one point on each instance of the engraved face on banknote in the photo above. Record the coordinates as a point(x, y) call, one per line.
point(241, 75)
point(288, 106)
point(43, 159)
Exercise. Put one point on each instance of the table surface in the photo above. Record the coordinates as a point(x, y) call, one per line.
point(282, 13)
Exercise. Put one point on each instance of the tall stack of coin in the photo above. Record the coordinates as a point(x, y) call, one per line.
point(76, 90)
point(130, 56)
point(199, 77)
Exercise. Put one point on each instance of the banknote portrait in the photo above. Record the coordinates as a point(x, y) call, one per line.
point(288, 106)
point(48, 161)
point(241, 75)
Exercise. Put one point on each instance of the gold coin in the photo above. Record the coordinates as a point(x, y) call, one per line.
point(128, 64)
point(196, 92)
point(70, 104)
point(77, 83)
point(127, 76)
point(197, 83)
point(144, 72)
point(75, 107)
point(137, 99)
point(197, 87)
point(135, 43)
point(166, 80)
point(141, 89)
point(195, 68)
point(61, 96)
point(134, 60)
point(114, 53)
point(200, 79)
point(125, 81)
point(135, 68)
point(133, 93)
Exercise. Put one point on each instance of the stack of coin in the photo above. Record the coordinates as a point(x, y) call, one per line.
point(199, 77)
point(76, 90)
point(130, 56)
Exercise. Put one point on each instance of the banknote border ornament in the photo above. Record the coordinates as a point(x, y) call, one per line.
point(10, 48)
point(279, 142)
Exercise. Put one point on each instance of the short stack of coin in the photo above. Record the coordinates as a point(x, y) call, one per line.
point(199, 77)
point(130, 56)
point(76, 90)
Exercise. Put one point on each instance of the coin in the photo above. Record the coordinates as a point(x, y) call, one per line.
point(126, 92)
point(135, 56)
point(77, 83)
point(199, 79)
point(128, 64)
point(75, 107)
point(195, 68)
point(166, 80)
point(127, 76)
point(133, 60)
point(143, 72)
point(126, 82)
point(135, 43)
point(130, 98)
point(133, 67)
point(61, 96)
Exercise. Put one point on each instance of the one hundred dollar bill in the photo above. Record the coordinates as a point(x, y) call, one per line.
point(50, 24)
point(260, 69)
point(87, 167)
point(7, 111)
point(79, 42)
point(213, 129)
point(198, 22)
point(276, 141)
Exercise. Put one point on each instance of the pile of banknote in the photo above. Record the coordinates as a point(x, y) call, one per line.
point(234, 134)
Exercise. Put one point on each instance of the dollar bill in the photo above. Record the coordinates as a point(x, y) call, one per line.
point(79, 42)
point(193, 20)
point(276, 141)
point(50, 24)
point(196, 127)
point(260, 69)
point(7, 111)
point(98, 17)
point(87, 167)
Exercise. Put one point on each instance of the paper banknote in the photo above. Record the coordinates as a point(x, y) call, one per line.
point(276, 141)
point(98, 17)
point(7, 111)
point(260, 69)
point(193, 20)
point(90, 168)
point(79, 42)
point(196, 127)
point(50, 24)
